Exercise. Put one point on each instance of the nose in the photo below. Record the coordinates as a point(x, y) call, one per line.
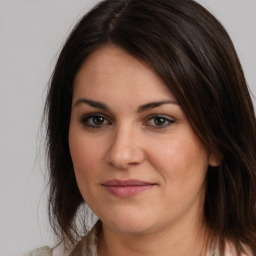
point(125, 149)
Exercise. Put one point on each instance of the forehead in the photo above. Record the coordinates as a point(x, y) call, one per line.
point(111, 71)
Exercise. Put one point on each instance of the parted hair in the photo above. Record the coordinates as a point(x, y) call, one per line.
point(193, 54)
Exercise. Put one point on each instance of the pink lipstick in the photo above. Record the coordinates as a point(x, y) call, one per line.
point(127, 188)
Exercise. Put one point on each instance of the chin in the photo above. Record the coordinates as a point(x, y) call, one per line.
point(130, 222)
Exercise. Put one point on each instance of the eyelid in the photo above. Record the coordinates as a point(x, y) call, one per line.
point(107, 120)
point(86, 117)
point(169, 119)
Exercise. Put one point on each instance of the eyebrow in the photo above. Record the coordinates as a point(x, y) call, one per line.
point(144, 107)
point(92, 103)
point(156, 104)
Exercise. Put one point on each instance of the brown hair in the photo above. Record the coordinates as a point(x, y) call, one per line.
point(191, 51)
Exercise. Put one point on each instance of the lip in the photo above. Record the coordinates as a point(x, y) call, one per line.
point(127, 188)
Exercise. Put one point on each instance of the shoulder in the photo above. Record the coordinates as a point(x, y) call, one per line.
point(230, 251)
point(86, 246)
point(58, 250)
point(42, 251)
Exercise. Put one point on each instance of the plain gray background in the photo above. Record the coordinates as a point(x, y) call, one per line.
point(31, 34)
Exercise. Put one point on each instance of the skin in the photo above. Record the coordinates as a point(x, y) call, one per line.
point(127, 142)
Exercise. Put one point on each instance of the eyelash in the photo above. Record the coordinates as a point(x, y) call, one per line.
point(88, 119)
point(166, 120)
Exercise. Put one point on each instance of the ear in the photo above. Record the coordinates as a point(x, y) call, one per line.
point(215, 160)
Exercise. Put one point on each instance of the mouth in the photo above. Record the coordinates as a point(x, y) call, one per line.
point(127, 188)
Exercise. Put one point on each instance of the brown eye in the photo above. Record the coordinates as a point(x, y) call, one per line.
point(158, 121)
point(95, 121)
point(98, 120)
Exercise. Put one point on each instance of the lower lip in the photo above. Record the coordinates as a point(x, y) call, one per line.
point(127, 191)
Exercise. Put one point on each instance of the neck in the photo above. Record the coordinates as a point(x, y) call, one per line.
point(179, 239)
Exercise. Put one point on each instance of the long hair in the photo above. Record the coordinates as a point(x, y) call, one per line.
point(193, 54)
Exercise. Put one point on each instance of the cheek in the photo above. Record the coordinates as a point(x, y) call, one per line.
point(179, 159)
point(86, 156)
point(85, 153)
point(182, 165)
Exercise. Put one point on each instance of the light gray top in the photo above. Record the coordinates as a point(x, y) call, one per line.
point(88, 247)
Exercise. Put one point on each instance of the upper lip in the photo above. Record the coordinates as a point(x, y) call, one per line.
point(130, 182)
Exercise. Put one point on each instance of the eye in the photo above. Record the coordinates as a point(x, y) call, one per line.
point(158, 121)
point(94, 121)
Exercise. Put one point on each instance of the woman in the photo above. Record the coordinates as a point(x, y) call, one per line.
point(150, 123)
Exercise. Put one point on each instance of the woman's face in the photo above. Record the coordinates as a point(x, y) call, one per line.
point(139, 165)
